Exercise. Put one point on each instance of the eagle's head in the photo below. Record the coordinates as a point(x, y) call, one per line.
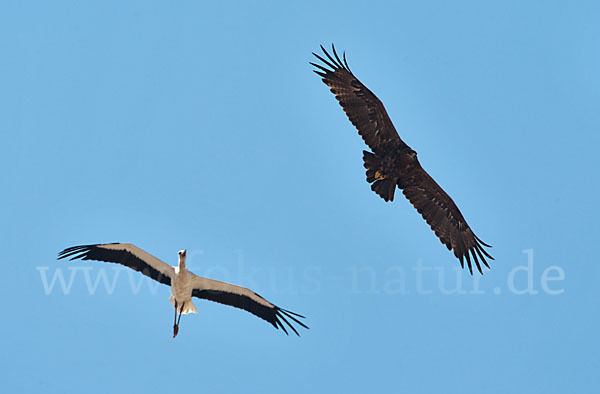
point(411, 154)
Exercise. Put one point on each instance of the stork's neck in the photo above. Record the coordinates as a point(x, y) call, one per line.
point(181, 263)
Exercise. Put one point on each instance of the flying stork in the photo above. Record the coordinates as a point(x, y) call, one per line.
point(184, 284)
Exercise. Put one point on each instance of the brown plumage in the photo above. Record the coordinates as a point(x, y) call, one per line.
point(394, 164)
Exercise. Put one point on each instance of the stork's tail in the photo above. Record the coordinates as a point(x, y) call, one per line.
point(188, 306)
point(381, 185)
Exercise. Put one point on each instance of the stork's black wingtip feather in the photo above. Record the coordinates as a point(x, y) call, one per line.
point(291, 313)
point(71, 251)
point(281, 320)
point(288, 323)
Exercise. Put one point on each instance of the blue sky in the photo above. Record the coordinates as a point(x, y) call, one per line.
point(200, 125)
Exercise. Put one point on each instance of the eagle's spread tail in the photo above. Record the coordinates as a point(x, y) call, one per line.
point(381, 185)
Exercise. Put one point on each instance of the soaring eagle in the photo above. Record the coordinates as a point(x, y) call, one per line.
point(393, 163)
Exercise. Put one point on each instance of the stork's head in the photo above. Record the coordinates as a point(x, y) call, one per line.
point(182, 257)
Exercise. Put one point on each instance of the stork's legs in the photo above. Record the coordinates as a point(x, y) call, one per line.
point(175, 327)
point(180, 312)
point(176, 321)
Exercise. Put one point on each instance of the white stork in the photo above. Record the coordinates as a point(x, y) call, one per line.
point(184, 284)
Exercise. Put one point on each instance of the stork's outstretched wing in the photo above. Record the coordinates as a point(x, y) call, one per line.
point(240, 297)
point(125, 254)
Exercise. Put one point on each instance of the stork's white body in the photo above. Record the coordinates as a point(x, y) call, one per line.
point(181, 288)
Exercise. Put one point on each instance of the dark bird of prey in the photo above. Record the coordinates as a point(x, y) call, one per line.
point(392, 163)
point(184, 284)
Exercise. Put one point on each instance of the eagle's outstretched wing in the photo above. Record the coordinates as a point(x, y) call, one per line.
point(362, 107)
point(444, 217)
